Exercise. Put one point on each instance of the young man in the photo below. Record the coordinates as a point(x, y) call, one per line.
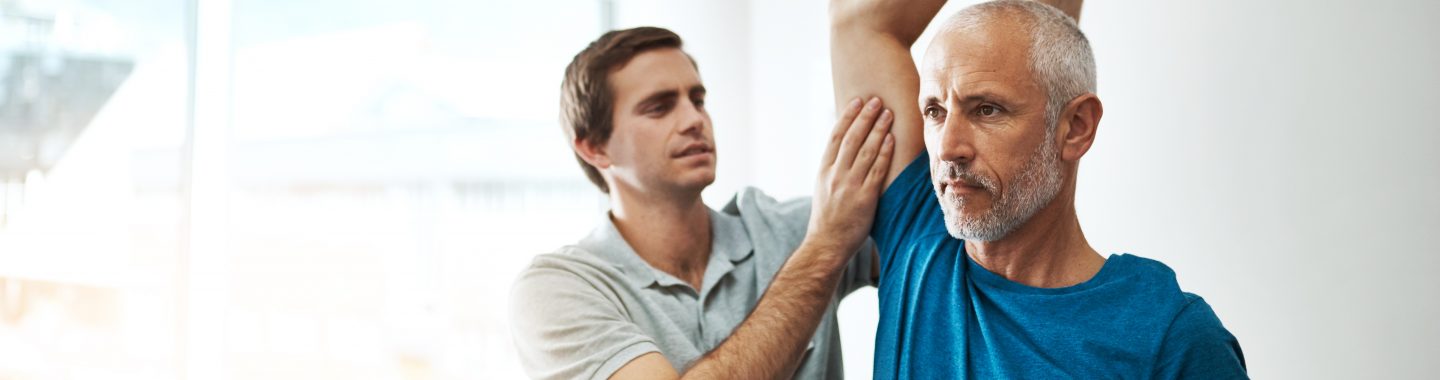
point(665, 286)
point(985, 270)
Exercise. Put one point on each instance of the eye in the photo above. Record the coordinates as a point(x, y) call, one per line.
point(658, 110)
point(987, 110)
point(699, 103)
point(933, 112)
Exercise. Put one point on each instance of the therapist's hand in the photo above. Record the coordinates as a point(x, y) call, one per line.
point(852, 175)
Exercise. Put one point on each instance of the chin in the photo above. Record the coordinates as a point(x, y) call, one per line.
point(706, 180)
point(697, 180)
point(965, 218)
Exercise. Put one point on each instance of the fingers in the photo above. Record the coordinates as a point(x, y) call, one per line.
point(881, 167)
point(841, 125)
point(878, 131)
point(855, 136)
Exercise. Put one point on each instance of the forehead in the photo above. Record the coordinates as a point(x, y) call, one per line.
point(652, 71)
point(994, 52)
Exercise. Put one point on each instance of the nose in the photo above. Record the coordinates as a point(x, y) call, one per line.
point(957, 140)
point(693, 120)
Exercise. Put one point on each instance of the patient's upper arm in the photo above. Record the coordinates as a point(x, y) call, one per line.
point(867, 61)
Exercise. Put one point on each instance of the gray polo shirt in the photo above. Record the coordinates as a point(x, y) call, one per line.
point(588, 309)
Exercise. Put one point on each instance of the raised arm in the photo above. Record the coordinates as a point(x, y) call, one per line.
point(870, 43)
point(870, 56)
point(1070, 7)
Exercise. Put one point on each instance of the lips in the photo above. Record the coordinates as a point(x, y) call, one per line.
point(956, 187)
point(693, 149)
point(960, 186)
point(963, 183)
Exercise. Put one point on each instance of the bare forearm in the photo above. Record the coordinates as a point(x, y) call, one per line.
point(770, 342)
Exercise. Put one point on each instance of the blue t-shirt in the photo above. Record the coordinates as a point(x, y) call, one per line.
point(943, 316)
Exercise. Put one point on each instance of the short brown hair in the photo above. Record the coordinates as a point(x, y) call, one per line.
point(586, 99)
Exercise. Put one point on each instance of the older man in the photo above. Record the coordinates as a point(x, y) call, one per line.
point(985, 271)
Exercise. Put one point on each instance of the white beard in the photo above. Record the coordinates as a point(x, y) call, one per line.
point(1036, 185)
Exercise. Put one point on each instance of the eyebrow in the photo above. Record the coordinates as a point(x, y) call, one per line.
point(667, 95)
point(978, 96)
point(984, 95)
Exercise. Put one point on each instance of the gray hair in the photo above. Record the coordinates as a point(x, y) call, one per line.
point(1059, 52)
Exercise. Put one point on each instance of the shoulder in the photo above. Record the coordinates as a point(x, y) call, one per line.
point(571, 274)
point(571, 317)
point(1150, 274)
point(569, 262)
point(908, 209)
point(1146, 266)
point(1194, 343)
point(1196, 316)
point(1197, 345)
point(774, 228)
point(753, 205)
point(760, 212)
point(1145, 287)
point(914, 178)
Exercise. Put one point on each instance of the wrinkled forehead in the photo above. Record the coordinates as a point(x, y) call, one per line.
point(996, 49)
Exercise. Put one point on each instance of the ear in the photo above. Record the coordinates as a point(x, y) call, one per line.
point(593, 154)
point(1078, 123)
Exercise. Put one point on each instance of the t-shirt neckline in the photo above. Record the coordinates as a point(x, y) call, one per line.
point(987, 278)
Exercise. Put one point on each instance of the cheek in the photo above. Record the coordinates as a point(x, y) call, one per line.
point(626, 148)
point(640, 137)
point(934, 157)
point(931, 136)
point(1007, 160)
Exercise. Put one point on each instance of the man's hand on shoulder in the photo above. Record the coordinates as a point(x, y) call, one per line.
point(852, 175)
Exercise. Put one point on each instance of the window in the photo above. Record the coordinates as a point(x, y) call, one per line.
point(378, 190)
point(92, 120)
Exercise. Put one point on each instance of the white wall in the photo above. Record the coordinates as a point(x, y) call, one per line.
point(1281, 156)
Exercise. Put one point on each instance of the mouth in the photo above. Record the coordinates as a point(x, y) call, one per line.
point(960, 187)
point(693, 149)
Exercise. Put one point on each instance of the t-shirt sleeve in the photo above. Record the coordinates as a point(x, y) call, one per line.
point(1197, 346)
point(908, 209)
point(566, 328)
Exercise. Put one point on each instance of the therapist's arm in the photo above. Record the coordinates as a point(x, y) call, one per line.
point(771, 341)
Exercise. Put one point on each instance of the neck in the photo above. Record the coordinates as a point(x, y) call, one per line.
point(1048, 251)
point(671, 233)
